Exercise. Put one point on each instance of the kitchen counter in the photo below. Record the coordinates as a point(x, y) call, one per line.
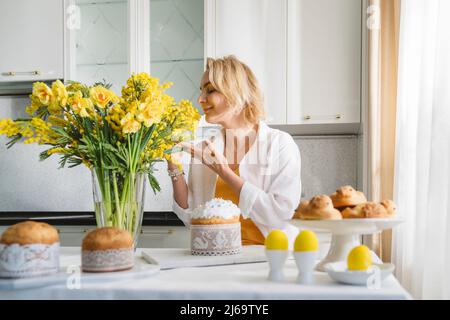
point(240, 281)
point(165, 218)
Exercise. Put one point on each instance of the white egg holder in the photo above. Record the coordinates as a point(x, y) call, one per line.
point(305, 261)
point(345, 234)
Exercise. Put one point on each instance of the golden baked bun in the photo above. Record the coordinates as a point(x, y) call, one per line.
point(390, 207)
point(107, 238)
point(318, 208)
point(30, 232)
point(365, 210)
point(346, 196)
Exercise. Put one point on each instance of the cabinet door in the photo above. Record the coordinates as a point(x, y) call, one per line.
point(255, 31)
point(31, 33)
point(324, 56)
point(99, 43)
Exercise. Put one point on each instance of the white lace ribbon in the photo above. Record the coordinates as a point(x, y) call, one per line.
point(217, 239)
point(21, 261)
point(107, 260)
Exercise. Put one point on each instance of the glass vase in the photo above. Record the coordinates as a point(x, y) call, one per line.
point(119, 200)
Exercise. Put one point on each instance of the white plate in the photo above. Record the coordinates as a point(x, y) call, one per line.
point(376, 274)
point(69, 270)
point(349, 226)
point(170, 258)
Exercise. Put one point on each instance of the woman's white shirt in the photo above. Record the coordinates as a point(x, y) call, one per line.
point(271, 171)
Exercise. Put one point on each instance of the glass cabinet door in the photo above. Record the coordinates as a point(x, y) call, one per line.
point(177, 45)
point(99, 43)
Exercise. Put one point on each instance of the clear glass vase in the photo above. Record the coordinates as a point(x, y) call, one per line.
point(119, 200)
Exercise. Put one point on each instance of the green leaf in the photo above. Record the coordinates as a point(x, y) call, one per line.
point(154, 183)
point(13, 140)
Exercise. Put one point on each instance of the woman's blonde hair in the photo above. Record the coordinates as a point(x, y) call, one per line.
point(238, 84)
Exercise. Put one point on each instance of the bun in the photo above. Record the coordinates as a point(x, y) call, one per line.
point(390, 207)
point(318, 208)
point(366, 210)
point(346, 196)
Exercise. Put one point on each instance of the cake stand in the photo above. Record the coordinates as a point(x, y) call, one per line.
point(345, 234)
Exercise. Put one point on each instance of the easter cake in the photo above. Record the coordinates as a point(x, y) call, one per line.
point(107, 249)
point(215, 228)
point(29, 249)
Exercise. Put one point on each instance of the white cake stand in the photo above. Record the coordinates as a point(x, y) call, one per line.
point(345, 234)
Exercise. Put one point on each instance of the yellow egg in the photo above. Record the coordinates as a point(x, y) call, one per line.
point(359, 259)
point(277, 240)
point(306, 241)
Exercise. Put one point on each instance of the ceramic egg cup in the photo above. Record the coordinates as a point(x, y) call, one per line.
point(305, 261)
point(276, 259)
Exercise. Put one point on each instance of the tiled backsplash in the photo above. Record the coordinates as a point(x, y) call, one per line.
point(327, 163)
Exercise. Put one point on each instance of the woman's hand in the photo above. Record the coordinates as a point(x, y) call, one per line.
point(216, 161)
point(209, 156)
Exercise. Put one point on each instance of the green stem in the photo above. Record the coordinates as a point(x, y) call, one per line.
point(116, 197)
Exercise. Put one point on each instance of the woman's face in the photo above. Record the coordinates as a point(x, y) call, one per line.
point(213, 103)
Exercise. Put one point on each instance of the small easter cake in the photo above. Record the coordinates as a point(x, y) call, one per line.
point(107, 249)
point(29, 249)
point(215, 228)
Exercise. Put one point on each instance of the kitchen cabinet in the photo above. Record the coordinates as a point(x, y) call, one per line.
point(32, 41)
point(255, 31)
point(98, 42)
point(324, 61)
point(306, 54)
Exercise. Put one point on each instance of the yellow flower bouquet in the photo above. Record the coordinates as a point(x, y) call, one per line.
point(119, 138)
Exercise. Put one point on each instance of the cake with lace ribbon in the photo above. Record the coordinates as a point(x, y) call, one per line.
point(215, 228)
point(29, 249)
point(107, 249)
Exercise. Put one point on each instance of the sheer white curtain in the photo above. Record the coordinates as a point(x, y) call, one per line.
point(421, 249)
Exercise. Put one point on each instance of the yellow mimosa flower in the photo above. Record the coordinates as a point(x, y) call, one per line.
point(31, 109)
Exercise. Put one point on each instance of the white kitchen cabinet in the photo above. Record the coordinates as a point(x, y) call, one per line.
point(31, 35)
point(254, 31)
point(306, 54)
point(324, 61)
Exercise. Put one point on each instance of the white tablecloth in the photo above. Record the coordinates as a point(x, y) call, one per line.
point(240, 281)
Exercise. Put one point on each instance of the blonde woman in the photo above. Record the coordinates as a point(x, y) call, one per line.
point(256, 167)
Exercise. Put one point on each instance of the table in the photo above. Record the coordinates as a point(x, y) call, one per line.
point(240, 281)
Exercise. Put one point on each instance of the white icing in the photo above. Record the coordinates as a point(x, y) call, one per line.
point(21, 261)
point(216, 208)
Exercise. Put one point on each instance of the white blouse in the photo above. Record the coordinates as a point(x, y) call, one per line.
point(272, 182)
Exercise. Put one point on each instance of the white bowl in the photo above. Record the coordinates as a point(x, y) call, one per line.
point(371, 278)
